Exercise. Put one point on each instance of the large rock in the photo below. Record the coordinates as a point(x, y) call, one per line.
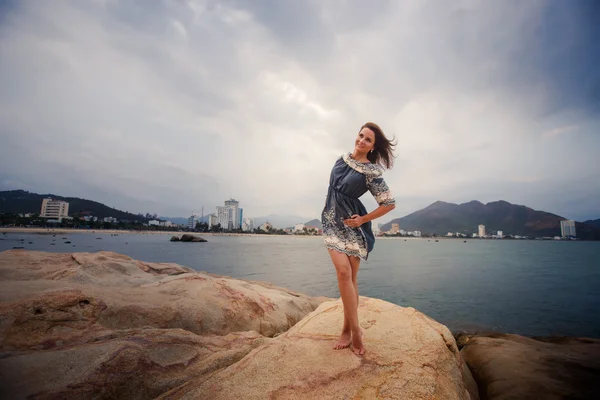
point(515, 367)
point(409, 356)
point(102, 325)
point(191, 238)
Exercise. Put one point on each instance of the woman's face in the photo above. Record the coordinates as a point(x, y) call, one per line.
point(365, 141)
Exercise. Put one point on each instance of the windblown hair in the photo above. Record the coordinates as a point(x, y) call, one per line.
point(383, 149)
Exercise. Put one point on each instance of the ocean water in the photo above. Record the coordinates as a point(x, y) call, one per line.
point(525, 287)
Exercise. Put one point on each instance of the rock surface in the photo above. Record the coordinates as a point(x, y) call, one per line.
point(509, 366)
point(409, 356)
point(191, 238)
point(105, 326)
point(104, 323)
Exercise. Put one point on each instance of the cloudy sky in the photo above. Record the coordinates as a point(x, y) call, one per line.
point(168, 106)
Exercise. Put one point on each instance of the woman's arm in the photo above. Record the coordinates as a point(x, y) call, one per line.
point(356, 220)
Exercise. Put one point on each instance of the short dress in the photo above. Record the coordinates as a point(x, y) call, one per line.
point(349, 180)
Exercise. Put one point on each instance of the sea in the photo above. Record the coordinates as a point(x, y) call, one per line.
point(526, 287)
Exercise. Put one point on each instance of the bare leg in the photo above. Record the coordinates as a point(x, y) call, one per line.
point(355, 264)
point(343, 268)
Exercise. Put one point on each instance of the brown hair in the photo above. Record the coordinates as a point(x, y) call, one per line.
point(382, 153)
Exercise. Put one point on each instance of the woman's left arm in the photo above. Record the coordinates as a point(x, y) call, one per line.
point(357, 220)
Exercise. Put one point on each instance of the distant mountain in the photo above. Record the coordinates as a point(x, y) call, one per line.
point(593, 222)
point(441, 218)
point(21, 201)
point(315, 223)
point(279, 221)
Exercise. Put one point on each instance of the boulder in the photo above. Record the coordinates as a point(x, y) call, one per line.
point(103, 325)
point(509, 366)
point(191, 238)
point(409, 356)
point(175, 239)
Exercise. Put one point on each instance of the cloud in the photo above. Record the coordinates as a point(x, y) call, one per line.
point(560, 131)
point(178, 105)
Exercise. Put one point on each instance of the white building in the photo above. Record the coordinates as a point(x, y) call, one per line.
point(230, 215)
point(299, 227)
point(481, 230)
point(166, 223)
point(567, 228)
point(110, 219)
point(247, 225)
point(54, 209)
point(192, 221)
point(265, 227)
point(212, 220)
point(154, 222)
point(500, 234)
point(416, 233)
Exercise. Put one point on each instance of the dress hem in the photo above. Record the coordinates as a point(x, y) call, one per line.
point(346, 252)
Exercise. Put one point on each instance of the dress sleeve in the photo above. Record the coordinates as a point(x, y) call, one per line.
point(380, 190)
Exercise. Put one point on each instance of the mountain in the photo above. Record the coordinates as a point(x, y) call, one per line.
point(593, 222)
point(441, 218)
point(315, 223)
point(21, 201)
point(279, 221)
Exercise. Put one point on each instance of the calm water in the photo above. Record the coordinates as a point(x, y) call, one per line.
point(524, 287)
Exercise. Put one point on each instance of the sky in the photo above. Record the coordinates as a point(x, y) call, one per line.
point(172, 106)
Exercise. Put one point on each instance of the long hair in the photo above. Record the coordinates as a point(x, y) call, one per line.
point(383, 150)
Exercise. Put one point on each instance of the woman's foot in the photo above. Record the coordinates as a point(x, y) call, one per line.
point(344, 340)
point(357, 344)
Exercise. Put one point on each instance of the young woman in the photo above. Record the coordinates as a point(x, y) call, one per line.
point(346, 223)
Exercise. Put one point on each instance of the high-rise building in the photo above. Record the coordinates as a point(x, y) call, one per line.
point(500, 234)
point(395, 228)
point(54, 208)
point(230, 215)
point(212, 220)
point(567, 228)
point(481, 230)
point(192, 221)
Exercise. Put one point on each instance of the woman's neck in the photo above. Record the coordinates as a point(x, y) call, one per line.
point(359, 156)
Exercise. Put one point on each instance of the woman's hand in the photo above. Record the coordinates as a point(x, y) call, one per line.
point(354, 221)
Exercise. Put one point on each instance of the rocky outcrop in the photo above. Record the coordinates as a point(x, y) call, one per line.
point(104, 323)
point(409, 356)
point(105, 326)
point(191, 238)
point(509, 366)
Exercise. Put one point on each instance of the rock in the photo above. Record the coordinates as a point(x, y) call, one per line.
point(409, 356)
point(174, 239)
point(509, 366)
point(191, 238)
point(103, 325)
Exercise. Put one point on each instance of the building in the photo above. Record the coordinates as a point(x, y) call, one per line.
point(298, 227)
point(567, 228)
point(230, 215)
point(481, 230)
point(212, 220)
point(54, 209)
point(192, 221)
point(500, 234)
point(266, 227)
point(395, 228)
point(247, 225)
point(375, 228)
point(166, 223)
point(154, 222)
point(416, 233)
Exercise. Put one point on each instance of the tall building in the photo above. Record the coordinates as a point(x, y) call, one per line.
point(54, 208)
point(230, 215)
point(395, 228)
point(192, 221)
point(567, 228)
point(481, 230)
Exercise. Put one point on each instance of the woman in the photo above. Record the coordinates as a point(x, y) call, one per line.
point(346, 223)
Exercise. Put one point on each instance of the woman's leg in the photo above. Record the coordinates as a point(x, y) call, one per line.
point(355, 264)
point(351, 332)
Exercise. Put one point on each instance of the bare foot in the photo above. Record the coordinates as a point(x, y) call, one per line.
point(357, 344)
point(344, 341)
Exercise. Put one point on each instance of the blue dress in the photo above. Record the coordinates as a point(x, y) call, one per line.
point(349, 180)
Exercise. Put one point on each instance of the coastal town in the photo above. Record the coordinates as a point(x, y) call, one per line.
point(229, 218)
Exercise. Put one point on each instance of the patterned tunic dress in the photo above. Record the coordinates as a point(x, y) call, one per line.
point(349, 180)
